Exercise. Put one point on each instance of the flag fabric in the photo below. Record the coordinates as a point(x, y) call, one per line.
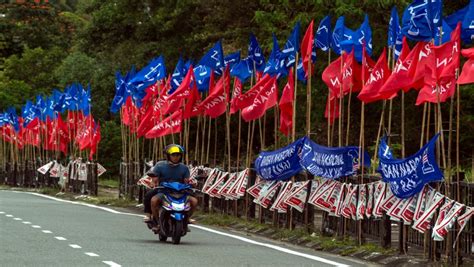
point(232, 59)
point(468, 24)
point(288, 53)
point(307, 47)
point(375, 80)
point(467, 73)
point(275, 65)
point(322, 38)
point(215, 104)
point(351, 75)
point(176, 98)
point(178, 75)
point(338, 35)
point(332, 76)
point(286, 106)
point(242, 70)
point(170, 125)
point(255, 54)
point(420, 18)
point(266, 98)
point(235, 94)
point(214, 58)
point(95, 141)
point(245, 100)
point(395, 33)
point(149, 75)
point(192, 107)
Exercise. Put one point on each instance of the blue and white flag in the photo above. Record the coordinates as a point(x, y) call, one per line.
point(149, 75)
point(322, 38)
point(395, 36)
point(255, 53)
point(232, 59)
point(467, 27)
point(292, 45)
point(280, 164)
point(407, 177)
point(214, 58)
point(443, 34)
point(202, 75)
point(331, 162)
point(275, 65)
point(242, 70)
point(420, 19)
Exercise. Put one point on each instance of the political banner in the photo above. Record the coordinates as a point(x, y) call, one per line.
point(280, 164)
point(331, 162)
point(407, 177)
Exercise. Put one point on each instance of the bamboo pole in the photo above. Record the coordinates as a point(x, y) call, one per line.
point(293, 132)
point(308, 101)
point(348, 116)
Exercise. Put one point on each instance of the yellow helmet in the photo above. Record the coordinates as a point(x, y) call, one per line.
point(174, 148)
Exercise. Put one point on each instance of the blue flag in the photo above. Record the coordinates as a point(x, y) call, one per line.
point(120, 97)
point(85, 102)
point(178, 75)
point(255, 53)
point(242, 70)
point(395, 33)
point(300, 73)
point(467, 27)
point(27, 112)
point(13, 119)
point(331, 162)
point(322, 38)
point(385, 151)
point(420, 19)
point(202, 75)
point(214, 58)
point(280, 164)
point(408, 176)
point(342, 35)
point(292, 46)
point(275, 65)
point(149, 75)
point(442, 34)
point(232, 59)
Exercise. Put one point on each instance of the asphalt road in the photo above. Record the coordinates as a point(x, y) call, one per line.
point(37, 230)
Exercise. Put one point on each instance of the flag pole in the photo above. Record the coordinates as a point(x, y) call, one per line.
point(341, 101)
point(308, 100)
point(293, 134)
point(329, 107)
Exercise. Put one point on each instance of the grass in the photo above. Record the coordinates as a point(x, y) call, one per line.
point(110, 183)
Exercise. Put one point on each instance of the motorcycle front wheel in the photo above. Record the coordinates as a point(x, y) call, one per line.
point(177, 232)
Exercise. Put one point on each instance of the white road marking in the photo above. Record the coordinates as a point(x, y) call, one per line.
point(91, 254)
point(36, 226)
point(17, 219)
point(60, 238)
point(2, 212)
point(74, 246)
point(25, 222)
point(111, 263)
point(285, 250)
point(9, 215)
point(47, 232)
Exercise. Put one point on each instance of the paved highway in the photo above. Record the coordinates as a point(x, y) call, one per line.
point(38, 230)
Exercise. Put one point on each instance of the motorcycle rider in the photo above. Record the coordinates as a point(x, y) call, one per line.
point(170, 170)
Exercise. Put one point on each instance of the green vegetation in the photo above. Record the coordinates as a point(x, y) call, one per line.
point(49, 45)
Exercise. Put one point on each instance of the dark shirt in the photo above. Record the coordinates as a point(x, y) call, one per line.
point(170, 173)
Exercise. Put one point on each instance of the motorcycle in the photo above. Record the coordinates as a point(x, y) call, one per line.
point(173, 219)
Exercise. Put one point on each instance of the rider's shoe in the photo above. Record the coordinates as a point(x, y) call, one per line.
point(147, 219)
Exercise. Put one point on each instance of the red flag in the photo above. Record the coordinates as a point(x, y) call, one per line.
point(175, 100)
point(245, 100)
point(422, 59)
point(170, 125)
point(375, 80)
point(235, 94)
point(83, 137)
point(332, 108)
point(215, 104)
point(433, 90)
point(332, 75)
point(467, 74)
point(451, 57)
point(192, 107)
point(400, 78)
point(146, 122)
point(286, 105)
point(95, 141)
point(59, 137)
point(266, 98)
point(351, 73)
point(307, 47)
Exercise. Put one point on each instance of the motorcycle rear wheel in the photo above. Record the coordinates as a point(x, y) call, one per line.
point(162, 238)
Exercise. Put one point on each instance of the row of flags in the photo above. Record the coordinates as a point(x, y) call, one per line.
point(54, 121)
point(154, 103)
